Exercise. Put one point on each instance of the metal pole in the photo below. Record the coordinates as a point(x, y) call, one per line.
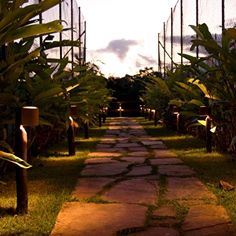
point(171, 39)
point(223, 15)
point(80, 49)
point(60, 34)
point(197, 23)
point(159, 55)
point(85, 38)
point(72, 36)
point(164, 29)
point(181, 29)
point(40, 22)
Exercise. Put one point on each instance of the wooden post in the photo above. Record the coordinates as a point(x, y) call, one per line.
point(155, 118)
point(100, 119)
point(86, 135)
point(71, 138)
point(208, 135)
point(21, 174)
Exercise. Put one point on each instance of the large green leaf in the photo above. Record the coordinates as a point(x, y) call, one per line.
point(32, 31)
point(14, 159)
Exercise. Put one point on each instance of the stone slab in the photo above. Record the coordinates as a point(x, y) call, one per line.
point(88, 187)
point(138, 153)
point(99, 160)
point(139, 190)
point(189, 188)
point(216, 230)
point(101, 145)
point(137, 149)
point(165, 161)
point(126, 145)
point(108, 169)
point(157, 231)
point(158, 146)
point(151, 142)
point(202, 216)
point(140, 170)
point(97, 219)
point(175, 170)
point(138, 160)
point(164, 211)
point(104, 154)
point(164, 154)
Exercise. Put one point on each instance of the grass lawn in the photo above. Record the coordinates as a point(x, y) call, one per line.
point(210, 167)
point(51, 180)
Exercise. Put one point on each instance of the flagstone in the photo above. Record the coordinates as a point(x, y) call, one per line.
point(139, 160)
point(165, 161)
point(88, 187)
point(97, 219)
point(176, 170)
point(139, 153)
point(158, 146)
point(99, 160)
point(202, 216)
point(138, 190)
point(104, 154)
point(126, 145)
point(159, 153)
point(157, 231)
point(189, 188)
point(140, 170)
point(164, 211)
point(105, 169)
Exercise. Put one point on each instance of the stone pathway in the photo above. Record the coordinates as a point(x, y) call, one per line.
point(133, 185)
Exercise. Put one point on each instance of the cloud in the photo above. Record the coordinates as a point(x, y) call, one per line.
point(148, 60)
point(119, 47)
point(145, 61)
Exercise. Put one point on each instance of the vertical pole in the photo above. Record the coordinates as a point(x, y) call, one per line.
point(223, 15)
point(86, 135)
point(60, 34)
point(85, 38)
point(40, 22)
point(171, 39)
point(159, 55)
point(155, 117)
point(181, 29)
point(164, 30)
point(208, 135)
point(80, 49)
point(21, 174)
point(197, 23)
point(71, 138)
point(72, 35)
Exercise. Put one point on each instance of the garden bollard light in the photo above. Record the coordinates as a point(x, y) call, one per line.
point(71, 137)
point(208, 135)
point(25, 116)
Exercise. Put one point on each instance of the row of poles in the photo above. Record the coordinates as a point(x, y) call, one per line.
point(162, 45)
point(81, 32)
point(29, 116)
point(204, 113)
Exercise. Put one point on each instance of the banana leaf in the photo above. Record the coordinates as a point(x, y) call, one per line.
point(32, 31)
point(14, 159)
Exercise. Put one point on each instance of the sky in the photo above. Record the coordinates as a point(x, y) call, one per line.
point(122, 35)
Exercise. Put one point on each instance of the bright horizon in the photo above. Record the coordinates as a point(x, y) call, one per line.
point(122, 35)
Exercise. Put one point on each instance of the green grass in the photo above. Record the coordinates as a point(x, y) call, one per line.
point(51, 180)
point(210, 167)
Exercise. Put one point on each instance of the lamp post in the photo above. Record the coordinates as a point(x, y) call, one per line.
point(70, 131)
point(25, 116)
point(176, 112)
point(205, 112)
